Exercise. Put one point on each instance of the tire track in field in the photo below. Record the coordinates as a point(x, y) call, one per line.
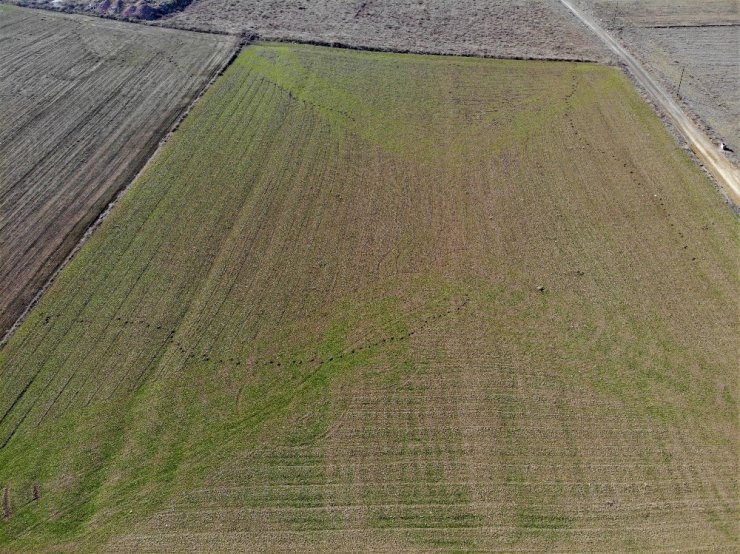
point(194, 318)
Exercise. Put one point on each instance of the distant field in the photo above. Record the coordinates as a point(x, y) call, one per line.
point(315, 324)
point(505, 28)
point(83, 103)
point(650, 13)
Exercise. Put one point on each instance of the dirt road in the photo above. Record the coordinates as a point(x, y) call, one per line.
point(716, 163)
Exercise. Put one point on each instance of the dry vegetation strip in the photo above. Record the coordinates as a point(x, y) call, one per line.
point(83, 103)
point(314, 323)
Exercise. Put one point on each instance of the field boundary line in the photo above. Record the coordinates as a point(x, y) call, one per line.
point(239, 44)
point(417, 51)
point(718, 166)
point(689, 26)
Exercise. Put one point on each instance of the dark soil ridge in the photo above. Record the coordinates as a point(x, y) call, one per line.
point(146, 12)
point(111, 17)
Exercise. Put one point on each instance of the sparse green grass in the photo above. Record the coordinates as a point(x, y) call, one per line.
point(314, 324)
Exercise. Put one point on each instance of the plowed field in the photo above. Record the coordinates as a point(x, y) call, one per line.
point(83, 104)
point(391, 303)
point(692, 43)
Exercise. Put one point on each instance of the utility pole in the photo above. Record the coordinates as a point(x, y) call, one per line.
point(678, 91)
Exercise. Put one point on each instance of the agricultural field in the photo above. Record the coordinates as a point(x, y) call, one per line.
point(502, 28)
point(388, 302)
point(708, 58)
point(663, 13)
point(83, 104)
point(700, 39)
